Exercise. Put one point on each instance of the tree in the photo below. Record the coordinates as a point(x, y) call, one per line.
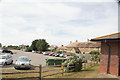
point(0, 45)
point(95, 55)
point(33, 46)
point(40, 45)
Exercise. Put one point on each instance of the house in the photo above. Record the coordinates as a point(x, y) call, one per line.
point(80, 47)
point(51, 47)
point(110, 53)
point(62, 48)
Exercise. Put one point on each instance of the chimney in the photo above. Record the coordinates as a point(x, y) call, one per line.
point(88, 40)
point(76, 40)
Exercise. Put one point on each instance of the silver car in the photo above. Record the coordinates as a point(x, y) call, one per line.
point(5, 59)
point(22, 63)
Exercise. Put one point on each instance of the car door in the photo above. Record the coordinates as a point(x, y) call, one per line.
point(8, 59)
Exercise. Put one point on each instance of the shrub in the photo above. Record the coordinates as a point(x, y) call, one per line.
point(95, 55)
point(73, 64)
point(71, 54)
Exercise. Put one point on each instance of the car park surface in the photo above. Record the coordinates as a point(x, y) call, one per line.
point(36, 58)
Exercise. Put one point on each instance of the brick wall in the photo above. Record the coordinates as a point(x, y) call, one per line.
point(114, 58)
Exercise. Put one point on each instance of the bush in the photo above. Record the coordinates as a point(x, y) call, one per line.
point(95, 55)
point(59, 51)
point(71, 54)
point(73, 64)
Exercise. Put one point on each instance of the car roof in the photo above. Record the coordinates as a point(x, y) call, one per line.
point(23, 57)
point(5, 55)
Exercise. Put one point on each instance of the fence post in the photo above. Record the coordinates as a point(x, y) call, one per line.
point(85, 65)
point(62, 68)
point(91, 63)
point(40, 72)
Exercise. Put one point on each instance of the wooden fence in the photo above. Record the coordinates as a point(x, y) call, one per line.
point(40, 72)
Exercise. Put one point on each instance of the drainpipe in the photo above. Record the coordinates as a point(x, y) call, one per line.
point(108, 60)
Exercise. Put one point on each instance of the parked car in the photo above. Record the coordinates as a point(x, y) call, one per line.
point(46, 53)
point(1, 50)
point(65, 56)
point(62, 55)
point(22, 63)
point(40, 52)
point(54, 54)
point(5, 59)
point(51, 53)
point(57, 55)
point(6, 51)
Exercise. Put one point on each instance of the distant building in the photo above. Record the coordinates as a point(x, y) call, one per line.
point(110, 53)
point(80, 47)
point(62, 48)
point(23, 46)
point(52, 47)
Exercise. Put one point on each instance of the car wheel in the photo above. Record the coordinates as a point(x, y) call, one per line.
point(11, 62)
point(16, 68)
point(5, 64)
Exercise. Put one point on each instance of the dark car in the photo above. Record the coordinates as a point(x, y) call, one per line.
point(54, 54)
point(7, 51)
point(57, 55)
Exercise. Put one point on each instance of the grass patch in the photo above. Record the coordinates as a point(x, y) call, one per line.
point(88, 73)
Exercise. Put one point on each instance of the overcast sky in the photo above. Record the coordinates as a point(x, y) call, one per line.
point(57, 21)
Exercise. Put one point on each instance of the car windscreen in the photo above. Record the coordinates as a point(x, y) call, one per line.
point(22, 59)
point(3, 57)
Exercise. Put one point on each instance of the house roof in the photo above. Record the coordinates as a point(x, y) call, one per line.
point(52, 46)
point(62, 48)
point(83, 44)
point(115, 36)
point(73, 44)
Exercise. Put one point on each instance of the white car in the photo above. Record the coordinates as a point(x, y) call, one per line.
point(22, 63)
point(1, 50)
point(46, 53)
point(5, 59)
